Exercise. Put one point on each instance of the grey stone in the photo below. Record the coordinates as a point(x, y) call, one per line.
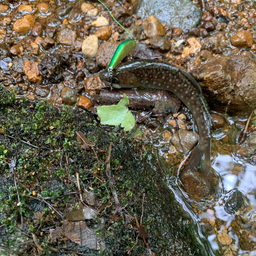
point(175, 13)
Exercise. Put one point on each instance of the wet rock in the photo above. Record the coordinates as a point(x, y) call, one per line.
point(229, 83)
point(180, 13)
point(100, 22)
point(177, 31)
point(79, 76)
point(90, 46)
point(215, 43)
point(93, 12)
point(142, 51)
point(66, 36)
point(197, 184)
point(25, 8)
point(120, 13)
point(93, 84)
point(51, 67)
point(251, 143)
point(23, 25)
point(43, 7)
point(104, 33)
point(15, 50)
point(135, 32)
point(160, 43)
point(184, 140)
point(32, 72)
point(42, 91)
point(105, 53)
point(92, 66)
point(54, 98)
point(18, 65)
point(84, 102)
point(153, 27)
point(85, 7)
point(5, 63)
point(69, 96)
point(205, 55)
point(64, 10)
point(234, 201)
point(47, 43)
point(3, 8)
point(4, 50)
point(37, 29)
point(218, 122)
point(242, 39)
point(5, 21)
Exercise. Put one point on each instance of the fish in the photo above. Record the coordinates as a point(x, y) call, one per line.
point(156, 74)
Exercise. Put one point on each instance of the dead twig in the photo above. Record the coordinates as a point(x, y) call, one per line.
point(36, 243)
point(12, 170)
point(110, 178)
point(202, 2)
point(78, 185)
point(243, 132)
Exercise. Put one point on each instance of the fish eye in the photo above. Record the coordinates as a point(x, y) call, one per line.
point(114, 80)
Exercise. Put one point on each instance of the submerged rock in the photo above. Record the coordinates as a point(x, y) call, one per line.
point(179, 13)
point(234, 201)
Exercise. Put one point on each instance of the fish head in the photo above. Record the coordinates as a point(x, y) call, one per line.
point(119, 78)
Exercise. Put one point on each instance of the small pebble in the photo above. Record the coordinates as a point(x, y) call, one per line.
point(153, 27)
point(69, 96)
point(242, 39)
point(104, 33)
point(84, 102)
point(100, 22)
point(218, 122)
point(23, 25)
point(93, 12)
point(66, 36)
point(177, 31)
point(25, 8)
point(43, 7)
point(85, 7)
point(3, 8)
point(224, 238)
point(90, 46)
point(37, 29)
point(32, 72)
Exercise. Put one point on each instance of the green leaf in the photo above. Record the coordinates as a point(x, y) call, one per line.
point(117, 114)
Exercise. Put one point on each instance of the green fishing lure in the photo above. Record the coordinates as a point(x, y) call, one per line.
point(121, 52)
point(123, 48)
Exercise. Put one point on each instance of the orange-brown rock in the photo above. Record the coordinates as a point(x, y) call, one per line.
point(93, 84)
point(16, 49)
point(84, 102)
point(23, 25)
point(229, 83)
point(3, 8)
point(43, 7)
point(242, 39)
point(153, 27)
point(104, 33)
point(66, 36)
point(25, 8)
point(32, 72)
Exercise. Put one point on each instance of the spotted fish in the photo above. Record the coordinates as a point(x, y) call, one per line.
point(154, 74)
